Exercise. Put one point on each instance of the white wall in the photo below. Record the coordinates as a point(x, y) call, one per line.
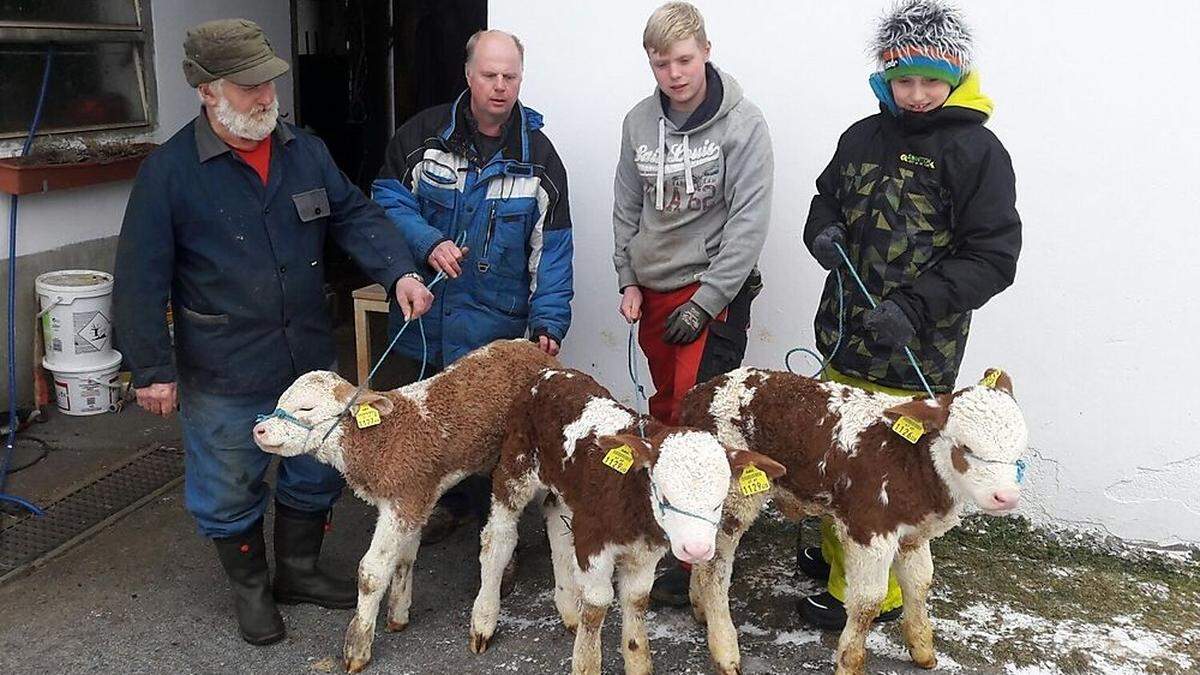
point(1096, 109)
point(47, 221)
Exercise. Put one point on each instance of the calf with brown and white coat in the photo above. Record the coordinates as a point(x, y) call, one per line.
point(887, 496)
point(600, 521)
point(430, 435)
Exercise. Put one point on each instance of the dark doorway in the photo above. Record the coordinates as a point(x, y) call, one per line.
point(363, 67)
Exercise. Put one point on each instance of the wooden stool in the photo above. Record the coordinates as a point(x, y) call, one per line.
point(366, 299)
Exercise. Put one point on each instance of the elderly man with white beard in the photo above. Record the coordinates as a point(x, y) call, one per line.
point(227, 221)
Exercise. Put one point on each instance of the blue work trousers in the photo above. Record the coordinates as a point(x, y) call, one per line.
point(224, 471)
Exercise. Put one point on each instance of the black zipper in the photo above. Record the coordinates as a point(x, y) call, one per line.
point(491, 230)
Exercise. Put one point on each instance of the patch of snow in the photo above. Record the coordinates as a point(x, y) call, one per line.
point(796, 638)
point(673, 626)
point(751, 629)
point(1118, 646)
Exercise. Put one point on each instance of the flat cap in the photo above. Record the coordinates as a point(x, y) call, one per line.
point(232, 49)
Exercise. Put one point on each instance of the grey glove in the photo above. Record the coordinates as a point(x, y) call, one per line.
point(890, 325)
point(824, 247)
point(685, 323)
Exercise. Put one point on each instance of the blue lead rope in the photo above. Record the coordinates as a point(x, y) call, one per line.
point(907, 352)
point(639, 392)
point(282, 414)
point(1020, 464)
point(912, 359)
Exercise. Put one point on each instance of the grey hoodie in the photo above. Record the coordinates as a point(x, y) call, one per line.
point(699, 211)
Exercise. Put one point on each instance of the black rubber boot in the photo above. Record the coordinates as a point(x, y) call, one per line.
point(244, 558)
point(825, 611)
point(298, 579)
point(810, 561)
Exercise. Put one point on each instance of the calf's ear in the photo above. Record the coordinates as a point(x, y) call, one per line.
point(343, 391)
point(740, 459)
point(931, 412)
point(997, 379)
point(644, 455)
point(377, 401)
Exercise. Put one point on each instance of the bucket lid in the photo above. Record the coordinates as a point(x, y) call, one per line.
point(109, 364)
point(72, 281)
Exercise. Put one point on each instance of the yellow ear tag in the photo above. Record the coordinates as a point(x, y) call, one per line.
point(366, 416)
point(619, 459)
point(754, 480)
point(909, 429)
point(992, 377)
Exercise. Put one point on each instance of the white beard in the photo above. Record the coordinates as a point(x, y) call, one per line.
point(255, 125)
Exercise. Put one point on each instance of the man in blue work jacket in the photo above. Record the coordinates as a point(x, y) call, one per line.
point(228, 221)
point(480, 194)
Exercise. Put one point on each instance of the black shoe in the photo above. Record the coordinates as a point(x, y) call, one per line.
point(670, 589)
point(825, 611)
point(298, 578)
point(441, 524)
point(244, 558)
point(810, 561)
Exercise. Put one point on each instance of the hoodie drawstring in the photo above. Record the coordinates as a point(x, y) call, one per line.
point(687, 166)
point(662, 158)
point(689, 180)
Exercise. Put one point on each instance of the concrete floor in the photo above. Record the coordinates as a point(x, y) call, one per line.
point(146, 596)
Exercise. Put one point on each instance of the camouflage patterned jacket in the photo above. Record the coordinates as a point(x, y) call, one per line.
point(928, 206)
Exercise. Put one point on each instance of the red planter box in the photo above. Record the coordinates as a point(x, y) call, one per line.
point(19, 178)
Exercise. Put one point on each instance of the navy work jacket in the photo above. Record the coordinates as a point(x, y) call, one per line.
point(242, 263)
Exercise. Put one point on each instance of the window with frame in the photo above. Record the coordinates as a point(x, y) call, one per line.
point(100, 70)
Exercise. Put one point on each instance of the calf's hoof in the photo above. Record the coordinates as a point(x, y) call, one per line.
point(356, 651)
point(735, 669)
point(924, 659)
point(480, 642)
point(396, 626)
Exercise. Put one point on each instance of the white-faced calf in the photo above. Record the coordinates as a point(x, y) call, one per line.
point(426, 437)
point(616, 503)
point(888, 495)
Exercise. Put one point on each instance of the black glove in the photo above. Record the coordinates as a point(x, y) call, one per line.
point(685, 323)
point(890, 324)
point(824, 247)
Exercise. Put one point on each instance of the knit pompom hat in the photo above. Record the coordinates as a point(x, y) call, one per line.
point(926, 38)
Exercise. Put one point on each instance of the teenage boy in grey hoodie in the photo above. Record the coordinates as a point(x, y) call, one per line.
point(691, 208)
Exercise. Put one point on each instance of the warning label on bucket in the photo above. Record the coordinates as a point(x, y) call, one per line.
point(91, 332)
point(63, 395)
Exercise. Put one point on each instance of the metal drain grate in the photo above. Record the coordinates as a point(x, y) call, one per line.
point(89, 508)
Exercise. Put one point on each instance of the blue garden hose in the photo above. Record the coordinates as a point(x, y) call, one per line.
point(12, 303)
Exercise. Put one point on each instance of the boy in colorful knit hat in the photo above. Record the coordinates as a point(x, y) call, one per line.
point(921, 197)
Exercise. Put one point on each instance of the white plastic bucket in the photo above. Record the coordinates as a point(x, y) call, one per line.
point(76, 310)
point(86, 390)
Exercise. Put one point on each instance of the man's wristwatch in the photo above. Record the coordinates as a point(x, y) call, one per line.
point(413, 275)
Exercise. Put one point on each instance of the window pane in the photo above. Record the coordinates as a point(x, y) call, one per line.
point(112, 12)
point(91, 85)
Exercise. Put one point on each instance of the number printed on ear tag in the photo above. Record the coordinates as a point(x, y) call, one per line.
point(754, 480)
point(619, 459)
point(909, 429)
point(366, 416)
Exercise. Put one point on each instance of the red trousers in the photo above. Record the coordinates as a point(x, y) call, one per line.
point(672, 367)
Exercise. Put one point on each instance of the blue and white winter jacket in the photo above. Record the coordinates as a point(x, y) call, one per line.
point(512, 210)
